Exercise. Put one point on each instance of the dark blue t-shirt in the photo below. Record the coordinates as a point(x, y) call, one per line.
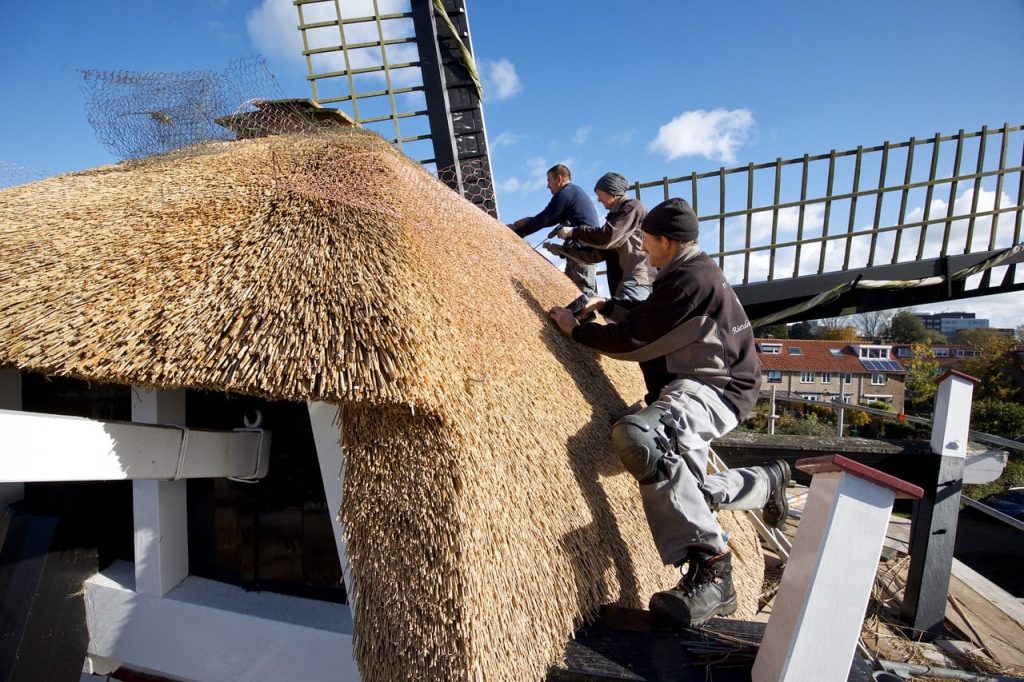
point(569, 206)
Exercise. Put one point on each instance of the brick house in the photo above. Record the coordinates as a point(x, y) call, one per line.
point(948, 355)
point(860, 372)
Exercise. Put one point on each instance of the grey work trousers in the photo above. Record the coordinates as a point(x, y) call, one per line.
point(689, 415)
point(583, 276)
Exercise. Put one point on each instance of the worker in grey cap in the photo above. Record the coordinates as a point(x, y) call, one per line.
point(696, 340)
point(619, 240)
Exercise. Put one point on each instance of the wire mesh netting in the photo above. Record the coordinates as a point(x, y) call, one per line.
point(136, 114)
point(477, 185)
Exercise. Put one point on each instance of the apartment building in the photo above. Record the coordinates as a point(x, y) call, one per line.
point(859, 372)
point(949, 324)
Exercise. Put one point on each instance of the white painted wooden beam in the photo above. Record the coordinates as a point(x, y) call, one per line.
point(159, 508)
point(324, 419)
point(10, 399)
point(205, 630)
point(818, 612)
point(951, 418)
point(46, 447)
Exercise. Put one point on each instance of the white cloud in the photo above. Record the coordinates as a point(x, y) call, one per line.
point(500, 79)
point(537, 169)
point(506, 139)
point(622, 138)
point(999, 230)
point(272, 28)
point(582, 134)
point(511, 185)
point(714, 134)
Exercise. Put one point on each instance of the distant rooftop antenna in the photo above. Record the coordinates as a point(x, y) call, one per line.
point(406, 71)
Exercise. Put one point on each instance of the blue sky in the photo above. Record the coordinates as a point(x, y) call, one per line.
point(646, 88)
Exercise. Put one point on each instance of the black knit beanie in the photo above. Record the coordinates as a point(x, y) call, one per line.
point(613, 183)
point(674, 219)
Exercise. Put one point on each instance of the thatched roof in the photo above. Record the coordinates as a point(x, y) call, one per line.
point(485, 513)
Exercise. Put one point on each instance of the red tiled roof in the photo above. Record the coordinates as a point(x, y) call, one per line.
point(816, 356)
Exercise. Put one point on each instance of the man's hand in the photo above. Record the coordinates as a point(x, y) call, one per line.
point(564, 319)
point(564, 232)
point(594, 303)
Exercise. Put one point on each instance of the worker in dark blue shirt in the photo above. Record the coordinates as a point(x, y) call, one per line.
point(569, 206)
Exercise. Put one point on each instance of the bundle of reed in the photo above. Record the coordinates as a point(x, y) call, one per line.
point(485, 513)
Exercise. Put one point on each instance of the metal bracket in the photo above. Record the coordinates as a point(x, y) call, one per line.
point(259, 471)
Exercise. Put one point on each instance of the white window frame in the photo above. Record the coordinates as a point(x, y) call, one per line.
point(846, 377)
point(826, 377)
point(879, 379)
point(769, 373)
point(804, 377)
point(771, 348)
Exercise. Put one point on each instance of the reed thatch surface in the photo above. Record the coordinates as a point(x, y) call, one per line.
point(485, 513)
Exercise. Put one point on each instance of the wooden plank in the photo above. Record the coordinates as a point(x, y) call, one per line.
point(995, 630)
point(47, 447)
point(995, 595)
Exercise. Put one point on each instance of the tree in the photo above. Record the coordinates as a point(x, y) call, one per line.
point(998, 417)
point(922, 375)
point(873, 325)
point(905, 327)
point(772, 331)
point(990, 367)
point(845, 333)
point(977, 336)
point(801, 330)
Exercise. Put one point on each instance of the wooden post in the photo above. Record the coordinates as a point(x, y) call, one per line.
point(933, 530)
point(10, 399)
point(159, 507)
point(324, 419)
point(817, 615)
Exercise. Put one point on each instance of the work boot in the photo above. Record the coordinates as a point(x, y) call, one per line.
point(704, 592)
point(776, 508)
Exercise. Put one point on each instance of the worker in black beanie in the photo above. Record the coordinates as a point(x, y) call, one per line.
point(672, 219)
point(696, 346)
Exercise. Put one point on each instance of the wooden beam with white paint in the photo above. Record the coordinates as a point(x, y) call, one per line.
point(325, 420)
point(10, 399)
point(817, 614)
point(37, 447)
point(207, 630)
point(159, 508)
point(951, 418)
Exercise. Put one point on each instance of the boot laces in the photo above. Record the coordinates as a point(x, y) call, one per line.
point(696, 579)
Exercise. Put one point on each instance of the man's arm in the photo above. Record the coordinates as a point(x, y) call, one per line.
point(617, 227)
point(653, 328)
point(549, 216)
